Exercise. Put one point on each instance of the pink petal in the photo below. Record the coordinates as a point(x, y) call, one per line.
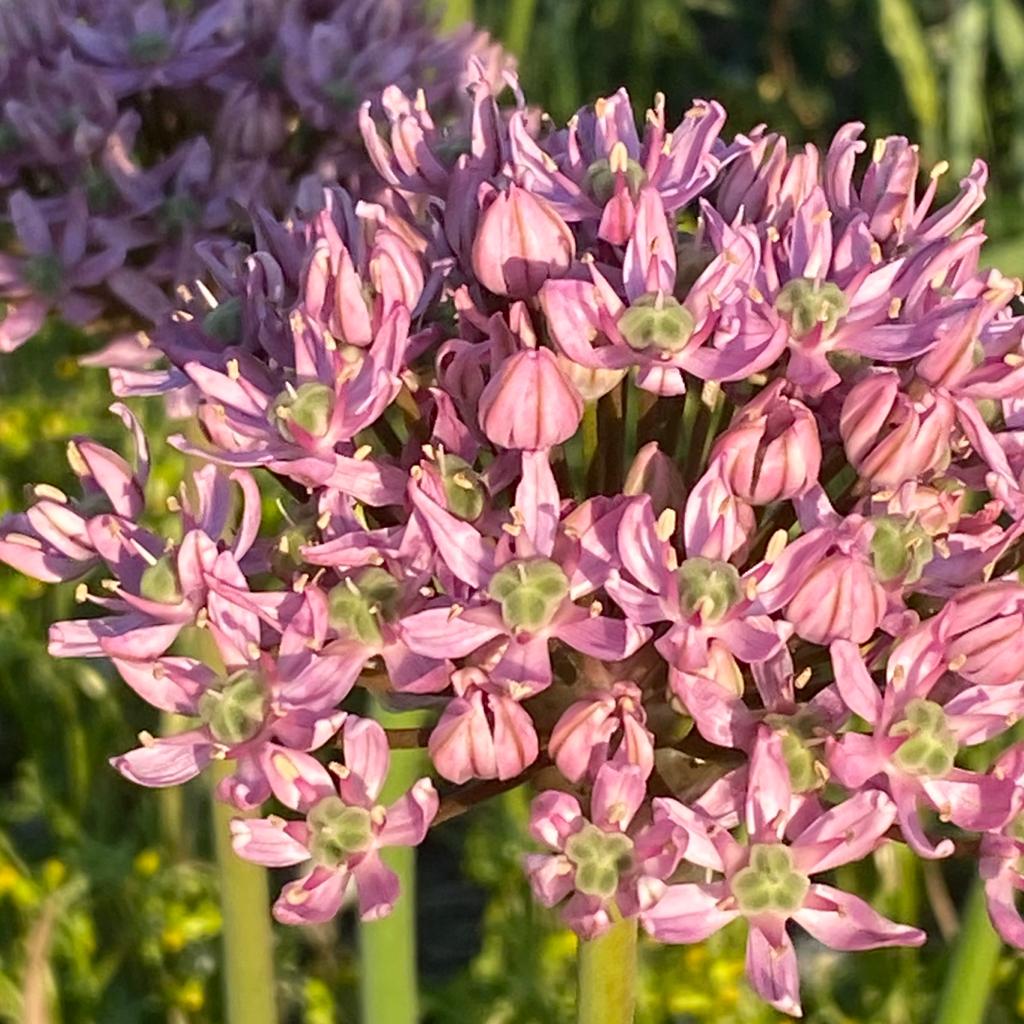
point(313, 899)
point(845, 833)
point(270, 841)
point(378, 887)
point(617, 796)
point(437, 633)
point(688, 913)
point(841, 920)
point(366, 753)
point(409, 817)
point(772, 970)
point(554, 816)
point(168, 761)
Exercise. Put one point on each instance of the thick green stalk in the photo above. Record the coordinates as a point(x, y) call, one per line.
point(387, 948)
point(972, 968)
point(519, 24)
point(606, 976)
point(249, 996)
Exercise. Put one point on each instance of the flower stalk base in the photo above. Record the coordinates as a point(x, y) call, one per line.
point(606, 976)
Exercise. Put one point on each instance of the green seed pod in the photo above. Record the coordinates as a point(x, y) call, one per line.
point(338, 831)
point(463, 492)
point(657, 321)
point(530, 592)
point(235, 713)
point(807, 305)
point(900, 549)
point(160, 581)
point(599, 858)
point(769, 882)
point(709, 587)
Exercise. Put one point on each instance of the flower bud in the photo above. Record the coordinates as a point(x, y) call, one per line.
point(900, 549)
point(359, 604)
point(889, 437)
point(656, 321)
point(520, 242)
point(840, 600)
point(708, 588)
point(483, 733)
point(807, 305)
point(655, 474)
point(528, 404)
point(530, 592)
point(771, 452)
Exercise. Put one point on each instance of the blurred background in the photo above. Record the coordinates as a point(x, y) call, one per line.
point(109, 908)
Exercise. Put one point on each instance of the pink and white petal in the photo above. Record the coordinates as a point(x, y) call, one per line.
point(1000, 894)
point(854, 758)
point(845, 833)
point(843, 921)
point(409, 817)
point(538, 501)
point(554, 816)
point(307, 729)
point(971, 800)
point(912, 828)
point(586, 915)
point(314, 898)
point(409, 672)
point(617, 796)
point(168, 761)
point(698, 828)
point(377, 885)
point(753, 639)
point(551, 877)
point(769, 789)
point(688, 913)
point(170, 684)
point(854, 682)
point(443, 633)
point(772, 970)
point(461, 547)
point(601, 637)
point(296, 779)
point(367, 755)
point(247, 787)
point(269, 841)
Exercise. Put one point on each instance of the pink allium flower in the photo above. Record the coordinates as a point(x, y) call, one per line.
point(344, 828)
point(601, 862)
point(767, 879)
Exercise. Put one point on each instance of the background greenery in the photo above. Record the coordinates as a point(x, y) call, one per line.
point(108, 901)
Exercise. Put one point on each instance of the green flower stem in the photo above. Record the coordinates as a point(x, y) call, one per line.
point(631, 422)
point(387, 948)
point(249, 996)
point(971, 970)
point(606, 976)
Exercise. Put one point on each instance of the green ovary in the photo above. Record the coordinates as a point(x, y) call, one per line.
point(359, 604)
point(657, 321)
point(930, 747)
point(769, 882)
point(900, 549)
point(530, 592)
point(599, 858)
point(807, 305)
point(160, 581)
point(338, 831)
point(463, 491)
point(600, 179)
point(310, 407)
point(709, 587)
point(44, 275)
point(235, 713)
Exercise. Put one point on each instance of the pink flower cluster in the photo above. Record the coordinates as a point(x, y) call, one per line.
point(132, 131)
point(679, 476)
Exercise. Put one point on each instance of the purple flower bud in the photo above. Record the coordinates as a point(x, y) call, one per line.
point(520, 243)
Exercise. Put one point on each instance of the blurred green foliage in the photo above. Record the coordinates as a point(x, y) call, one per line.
point(108, 901)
